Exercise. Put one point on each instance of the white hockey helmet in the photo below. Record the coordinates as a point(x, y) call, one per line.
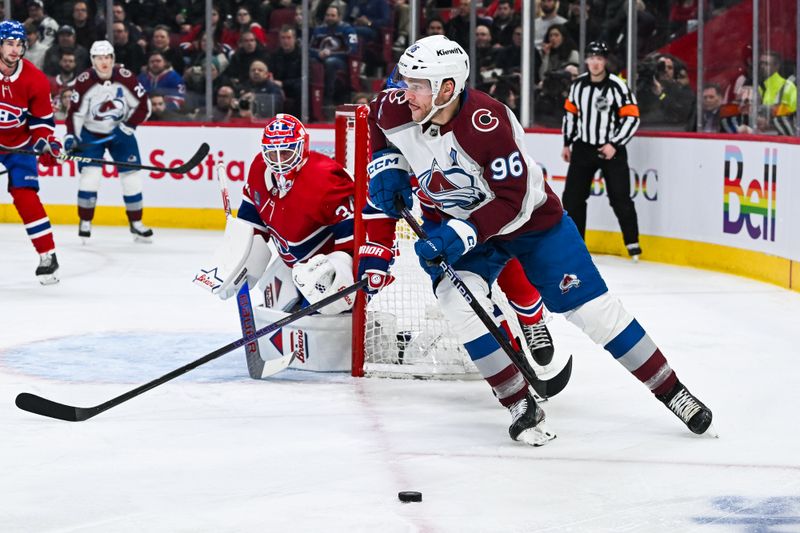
point(436, 58)
point(101, 48)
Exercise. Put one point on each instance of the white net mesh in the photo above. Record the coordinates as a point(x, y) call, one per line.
point(406, 333)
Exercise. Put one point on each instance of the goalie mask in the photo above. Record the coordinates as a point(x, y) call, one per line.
point(285, 149)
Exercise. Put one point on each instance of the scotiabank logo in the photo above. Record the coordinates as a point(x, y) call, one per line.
point(749, 202)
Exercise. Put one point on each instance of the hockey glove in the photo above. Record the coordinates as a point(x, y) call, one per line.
point(389, 180)
point(374, 261)
point(71, 142)
point(49, 149)
point(449, 242)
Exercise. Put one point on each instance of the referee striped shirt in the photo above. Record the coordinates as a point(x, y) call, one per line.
point(600, 112)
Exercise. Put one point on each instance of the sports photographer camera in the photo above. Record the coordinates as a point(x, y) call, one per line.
point(663, 101)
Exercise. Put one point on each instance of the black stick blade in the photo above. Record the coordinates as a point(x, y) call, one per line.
point(196, 159)
point(44, 407)
point(554, 385)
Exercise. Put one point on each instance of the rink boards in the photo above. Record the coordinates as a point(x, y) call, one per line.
point(717, 203)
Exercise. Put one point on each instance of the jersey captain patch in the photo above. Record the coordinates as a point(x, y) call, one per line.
point(451, 188)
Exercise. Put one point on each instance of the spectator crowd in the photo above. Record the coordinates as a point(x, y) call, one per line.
point(353, 44)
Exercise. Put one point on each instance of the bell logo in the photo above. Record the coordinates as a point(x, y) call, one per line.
point(756, 199)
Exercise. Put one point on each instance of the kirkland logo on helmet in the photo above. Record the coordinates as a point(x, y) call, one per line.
point(456, 50)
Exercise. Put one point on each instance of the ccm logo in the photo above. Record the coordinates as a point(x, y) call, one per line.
point(383, 163)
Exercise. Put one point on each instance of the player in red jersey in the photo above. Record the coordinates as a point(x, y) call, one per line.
point(26, 121)
point(303, 202)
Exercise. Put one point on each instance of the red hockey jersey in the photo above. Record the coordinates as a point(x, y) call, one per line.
point(315, 216)
point(26, 112)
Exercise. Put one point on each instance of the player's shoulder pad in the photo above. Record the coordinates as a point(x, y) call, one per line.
point(482, 115)
point(390, 109)
point(123, 72)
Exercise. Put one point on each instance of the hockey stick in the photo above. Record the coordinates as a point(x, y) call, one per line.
point(44, 407)
point(195, 160)
point(257, 366)
point(544, 388)
point(255, 363)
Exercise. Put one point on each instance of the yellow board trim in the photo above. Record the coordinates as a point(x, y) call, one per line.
point(756, 265)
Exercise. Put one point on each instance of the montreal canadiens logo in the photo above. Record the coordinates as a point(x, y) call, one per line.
point(10, 116)
point(483, 120)
point(451, 188)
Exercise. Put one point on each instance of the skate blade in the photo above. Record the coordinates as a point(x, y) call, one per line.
point(84, 240)
point(635, 258)
point(48, 279)
point(711, 432)
point(143, 240)
point(536, 436)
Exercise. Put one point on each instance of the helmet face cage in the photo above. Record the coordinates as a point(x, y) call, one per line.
point(284, 147)
point(15, 31)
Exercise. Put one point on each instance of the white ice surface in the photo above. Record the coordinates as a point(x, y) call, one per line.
point(214, 451)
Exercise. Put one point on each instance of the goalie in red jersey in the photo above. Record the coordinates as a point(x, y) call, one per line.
point(302, 201)
point(26, 122)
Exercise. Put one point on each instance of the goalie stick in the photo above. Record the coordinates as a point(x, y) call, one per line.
point(544, 388)
point(257, 366)
point(195, 160)
point(44, 407)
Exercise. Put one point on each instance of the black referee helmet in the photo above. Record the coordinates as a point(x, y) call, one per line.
point(597, 48)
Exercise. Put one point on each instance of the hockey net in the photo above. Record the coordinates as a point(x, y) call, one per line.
point(400, 332)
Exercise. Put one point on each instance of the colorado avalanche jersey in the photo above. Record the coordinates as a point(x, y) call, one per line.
point(26, 113)
point(101, 105)
point(315, 216)
point(473, 168)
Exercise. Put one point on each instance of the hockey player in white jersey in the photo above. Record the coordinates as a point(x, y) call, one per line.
point(468, 153)
point(107, 105)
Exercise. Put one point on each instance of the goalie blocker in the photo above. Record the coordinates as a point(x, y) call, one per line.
point(318, 342)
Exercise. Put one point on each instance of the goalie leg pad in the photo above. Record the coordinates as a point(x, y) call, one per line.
point(242, 256)
point(323, 275)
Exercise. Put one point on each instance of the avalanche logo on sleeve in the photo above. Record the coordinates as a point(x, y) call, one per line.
point(451, 188)
point(10, 116)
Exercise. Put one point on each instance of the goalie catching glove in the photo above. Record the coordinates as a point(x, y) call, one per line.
point(324, 275)
point(374, 261)
point(243, 256)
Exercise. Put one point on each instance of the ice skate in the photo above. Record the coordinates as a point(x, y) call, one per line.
point(48, 266)
point(141, 233)
point(692, 411)
point(527, 424)
point(538, 339)
point(85, 230)
point(634, 250)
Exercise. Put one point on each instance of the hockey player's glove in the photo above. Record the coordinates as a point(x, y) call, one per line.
point(49, 149)
point(71, 142)
point(389, 180)
point(449, 241)
point(374, 261)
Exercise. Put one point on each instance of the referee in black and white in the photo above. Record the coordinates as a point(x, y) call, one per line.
point(601, 118)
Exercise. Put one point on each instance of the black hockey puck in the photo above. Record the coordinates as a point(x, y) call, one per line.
point(407, 496)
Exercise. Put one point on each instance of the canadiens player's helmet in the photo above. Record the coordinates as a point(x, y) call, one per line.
point(597, 48)
point(13, 30)
point(285, 148)
point(436, 58)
